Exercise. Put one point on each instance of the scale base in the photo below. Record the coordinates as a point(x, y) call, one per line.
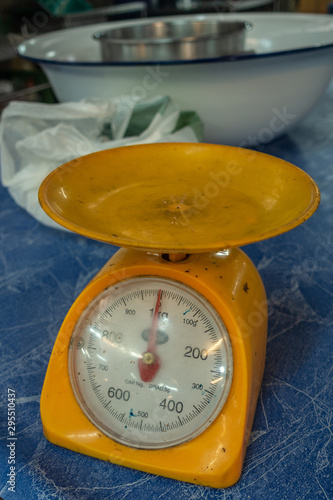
point(231, 283)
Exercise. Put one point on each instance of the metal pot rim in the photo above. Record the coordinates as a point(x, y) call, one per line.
point(104, 37)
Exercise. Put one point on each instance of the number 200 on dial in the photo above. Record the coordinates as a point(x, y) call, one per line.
point(150, 362)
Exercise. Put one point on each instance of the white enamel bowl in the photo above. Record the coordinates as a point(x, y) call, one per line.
point(242, 99)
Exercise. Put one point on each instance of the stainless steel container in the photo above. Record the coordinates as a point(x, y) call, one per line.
point(180, 39)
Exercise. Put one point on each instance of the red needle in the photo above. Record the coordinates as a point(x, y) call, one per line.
point(149, 362)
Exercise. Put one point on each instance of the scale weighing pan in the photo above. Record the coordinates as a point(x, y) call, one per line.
point(179, 197)
point(159, 361)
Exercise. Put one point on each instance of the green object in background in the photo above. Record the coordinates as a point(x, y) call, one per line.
point(61, 7)
point(190, 119)
point(144, 113)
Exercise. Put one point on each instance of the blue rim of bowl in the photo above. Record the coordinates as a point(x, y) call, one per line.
point(226, 58)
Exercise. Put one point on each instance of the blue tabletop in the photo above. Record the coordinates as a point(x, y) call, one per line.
point(290, 451)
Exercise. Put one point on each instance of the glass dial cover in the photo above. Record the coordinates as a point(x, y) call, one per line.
point(150, 362)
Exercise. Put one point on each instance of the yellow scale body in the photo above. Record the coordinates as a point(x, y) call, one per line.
point(188, 208)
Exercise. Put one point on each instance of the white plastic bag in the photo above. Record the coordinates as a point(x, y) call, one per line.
point(36, 138)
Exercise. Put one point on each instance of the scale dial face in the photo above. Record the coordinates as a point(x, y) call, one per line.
point(150, 362)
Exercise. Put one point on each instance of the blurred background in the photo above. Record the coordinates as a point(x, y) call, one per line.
point(22, 19)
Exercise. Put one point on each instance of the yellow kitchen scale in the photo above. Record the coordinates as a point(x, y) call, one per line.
point(159, 361)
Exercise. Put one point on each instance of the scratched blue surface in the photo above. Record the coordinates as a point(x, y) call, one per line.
point(290, 450)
